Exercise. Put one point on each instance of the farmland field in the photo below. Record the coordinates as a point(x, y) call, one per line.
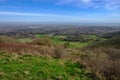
point(58, 39)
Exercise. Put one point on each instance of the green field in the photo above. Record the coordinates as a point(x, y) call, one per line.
point(91, 36)
point(28, 67)
point(57, 39)
point(24, 40)
point(78, 44)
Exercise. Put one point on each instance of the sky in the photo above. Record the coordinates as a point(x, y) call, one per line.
point(81, 11)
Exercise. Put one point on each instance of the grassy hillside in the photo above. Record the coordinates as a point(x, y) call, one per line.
point(27, 59)
point(113, 42)
point(29, 67)
point(103, 58)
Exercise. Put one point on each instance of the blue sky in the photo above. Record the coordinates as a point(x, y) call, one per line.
point(95, 11)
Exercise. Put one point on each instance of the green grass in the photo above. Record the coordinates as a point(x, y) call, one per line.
point(59, 36)
point(25, 40)
point(78, 44)
point(57, 39)
point(40, 35)
point(28, 67)
point(91, 36)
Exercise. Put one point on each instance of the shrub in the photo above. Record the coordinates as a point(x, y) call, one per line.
point(103, 64)
point(59, 52)
point(45, 42)
point(66, 45)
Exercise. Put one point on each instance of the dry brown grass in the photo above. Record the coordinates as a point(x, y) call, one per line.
point(103, 62)
point(42, 42)
point(25, 48)
point(22, 48)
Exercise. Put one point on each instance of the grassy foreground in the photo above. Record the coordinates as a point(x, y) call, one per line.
point(28, 67)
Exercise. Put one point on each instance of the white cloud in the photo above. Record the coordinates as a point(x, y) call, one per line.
point(112, 4)
point(57, 15)
point(86, 1)
point(26, 14)
point(103, 4)
point(73, 1)
point(62, 17)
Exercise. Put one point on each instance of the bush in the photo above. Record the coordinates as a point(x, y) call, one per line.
point(66, 45)
point(58, 52)
point(45, 42)
point(104, 63)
